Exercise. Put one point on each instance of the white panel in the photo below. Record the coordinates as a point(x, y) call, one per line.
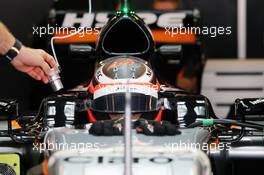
point(234, 65)
point(211, 80)
point(229, 96)
point(221, 112)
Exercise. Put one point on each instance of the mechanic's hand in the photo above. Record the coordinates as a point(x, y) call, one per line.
point(34, 62)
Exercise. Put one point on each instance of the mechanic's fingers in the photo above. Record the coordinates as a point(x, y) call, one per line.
point(39, 71)
point(46, 68)
point(34, 75)
point(50, 60)
point(44, 78)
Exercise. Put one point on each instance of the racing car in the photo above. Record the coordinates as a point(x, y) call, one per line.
point(125, 121)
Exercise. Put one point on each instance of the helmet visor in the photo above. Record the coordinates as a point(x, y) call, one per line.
point(115, 103)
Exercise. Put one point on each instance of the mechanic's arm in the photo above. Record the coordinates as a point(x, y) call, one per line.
point(34, 62)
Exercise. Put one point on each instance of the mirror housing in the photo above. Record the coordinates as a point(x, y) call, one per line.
point(250, 108)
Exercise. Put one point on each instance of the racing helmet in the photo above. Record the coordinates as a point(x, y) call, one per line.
point(117, 75)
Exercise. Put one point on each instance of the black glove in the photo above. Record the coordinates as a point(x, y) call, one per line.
point(106, 128)
point(155, 128)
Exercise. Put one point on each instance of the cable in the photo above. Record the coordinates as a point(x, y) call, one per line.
point(252, 123)
point(211, 122)
point(125, 3)
point(90, 6)
point(67, 36)
point(34, 128)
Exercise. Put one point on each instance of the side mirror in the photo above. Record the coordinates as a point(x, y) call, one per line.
point(188, 107)
point(250, 106)
point(81, 51)
point(172, 53)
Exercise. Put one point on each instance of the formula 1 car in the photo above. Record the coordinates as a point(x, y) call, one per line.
point(125, 122)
